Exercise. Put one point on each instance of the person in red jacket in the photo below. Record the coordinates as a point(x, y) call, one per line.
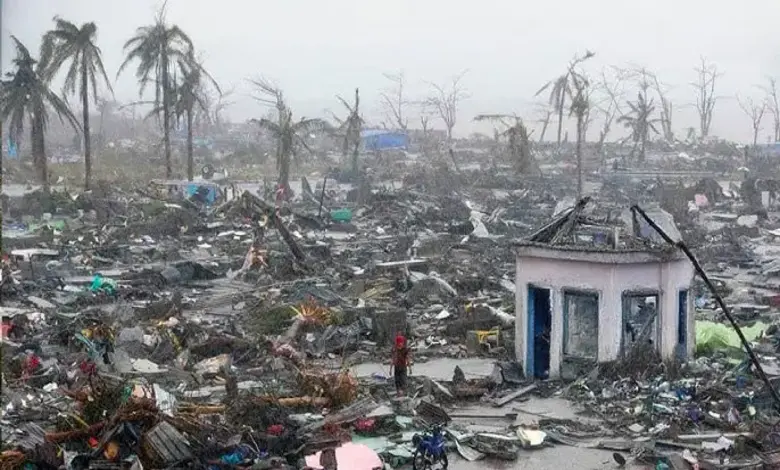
point(401, 364)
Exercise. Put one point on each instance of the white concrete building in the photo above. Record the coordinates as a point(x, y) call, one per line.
point(585, 294)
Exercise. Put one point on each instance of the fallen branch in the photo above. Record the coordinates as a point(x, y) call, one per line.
point(76, 434)
point(291, 402)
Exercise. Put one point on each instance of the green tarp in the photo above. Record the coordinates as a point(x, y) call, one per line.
point(711, 337)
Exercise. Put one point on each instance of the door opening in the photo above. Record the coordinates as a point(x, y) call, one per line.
point(682, 325)
point(539, 330)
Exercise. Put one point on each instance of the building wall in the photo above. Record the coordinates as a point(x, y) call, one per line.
point(610, 280)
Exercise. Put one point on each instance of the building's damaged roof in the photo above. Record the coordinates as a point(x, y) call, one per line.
point(587, 227)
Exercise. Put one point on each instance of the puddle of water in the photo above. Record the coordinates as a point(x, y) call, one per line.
point(437, 369)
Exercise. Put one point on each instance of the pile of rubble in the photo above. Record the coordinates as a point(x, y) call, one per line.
point(141, 331)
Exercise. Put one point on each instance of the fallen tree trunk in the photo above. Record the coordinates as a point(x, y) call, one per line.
point(290, 402)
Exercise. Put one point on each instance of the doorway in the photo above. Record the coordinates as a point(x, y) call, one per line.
point(682, 325)
point(640, 320)
point(539, 329)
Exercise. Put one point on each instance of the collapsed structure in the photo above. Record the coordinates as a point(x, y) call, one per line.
point(589, 291)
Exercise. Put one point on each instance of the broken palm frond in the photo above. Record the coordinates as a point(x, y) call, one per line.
point(11, 460)
point(264, 321)
point(340, 388)
point(313, 313)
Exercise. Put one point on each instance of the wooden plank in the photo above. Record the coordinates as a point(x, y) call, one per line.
point(498, 402)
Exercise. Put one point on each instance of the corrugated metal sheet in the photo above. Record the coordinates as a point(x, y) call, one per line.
point(166, 444)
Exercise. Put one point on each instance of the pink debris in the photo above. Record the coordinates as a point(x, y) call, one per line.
point(350, 456)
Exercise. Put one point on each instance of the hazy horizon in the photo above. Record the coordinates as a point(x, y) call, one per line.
point(315, 50)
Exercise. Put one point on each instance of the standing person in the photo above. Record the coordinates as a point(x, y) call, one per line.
point(400, 364)
point(328, 459)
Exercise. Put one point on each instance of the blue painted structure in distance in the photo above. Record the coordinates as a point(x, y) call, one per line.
point(380, 139)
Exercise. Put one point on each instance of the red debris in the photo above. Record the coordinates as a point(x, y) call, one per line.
point(275, 429)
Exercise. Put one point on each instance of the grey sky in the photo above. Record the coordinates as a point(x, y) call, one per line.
point(316, 49)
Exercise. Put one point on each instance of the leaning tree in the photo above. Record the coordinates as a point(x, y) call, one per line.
point(26, 94)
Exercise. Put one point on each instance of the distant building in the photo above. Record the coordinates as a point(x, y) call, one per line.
point(380, 139)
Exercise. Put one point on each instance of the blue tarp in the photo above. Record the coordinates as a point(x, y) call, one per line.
point(12, 151)
point(384, 140)
point(771, 150)
point(211, 196)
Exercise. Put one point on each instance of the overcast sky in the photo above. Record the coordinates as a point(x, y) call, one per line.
point(317, 49)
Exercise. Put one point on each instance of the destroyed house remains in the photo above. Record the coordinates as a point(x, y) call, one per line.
point(589, 290)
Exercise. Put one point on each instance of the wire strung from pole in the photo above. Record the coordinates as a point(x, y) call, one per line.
point(700, 271)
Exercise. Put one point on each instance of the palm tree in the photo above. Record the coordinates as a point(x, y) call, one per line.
point(25, 93)
point(580, 108)
point(640, 122)
point(349, 130)
point(561, 89)
point(189, 98)
point(518, 140)
point(158, 49)
point(68, 42)
point(290, 135)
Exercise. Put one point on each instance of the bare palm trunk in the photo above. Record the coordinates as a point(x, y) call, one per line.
point(85, 118)
point(642, 147)
point(545, 124)
point(284, 172)
point(355, 155)
point(190, 162)
point(580, 132)
point(560, 115)
point(166, 117)
point(39, 152)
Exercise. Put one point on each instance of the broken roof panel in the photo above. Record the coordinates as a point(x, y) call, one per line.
point(604, 229)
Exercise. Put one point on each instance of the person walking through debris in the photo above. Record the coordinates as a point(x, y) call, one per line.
point(400, 364)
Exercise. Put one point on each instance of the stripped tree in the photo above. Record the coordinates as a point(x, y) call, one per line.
point(349, 130)
point(394, 101)
point(611, 86)
point(445, 101)
point(580, 108)
point(754, 111)
point(707, 75)
point(545, 115)
point(773, 103)
point(667, 109)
